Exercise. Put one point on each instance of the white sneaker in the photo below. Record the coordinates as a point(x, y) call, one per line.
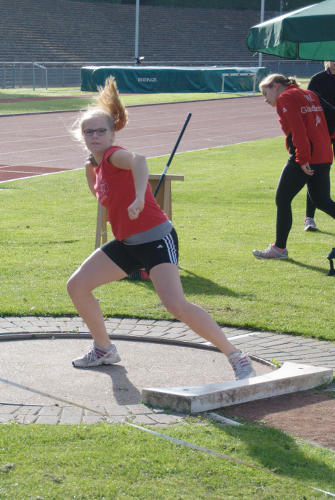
point(241, 364)
point(93, 359)
point(309, 224)
point(271, 253)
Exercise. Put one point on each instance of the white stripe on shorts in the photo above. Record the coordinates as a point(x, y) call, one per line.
point(171, 248)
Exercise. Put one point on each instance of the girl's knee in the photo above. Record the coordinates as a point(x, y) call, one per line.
point(176, 307)
point(71, 285)
point(74, 284)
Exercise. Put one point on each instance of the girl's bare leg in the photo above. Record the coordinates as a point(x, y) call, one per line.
point(166, 280)
point(97, 270)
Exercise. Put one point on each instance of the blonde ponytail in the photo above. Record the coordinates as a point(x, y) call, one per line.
point(109, 100)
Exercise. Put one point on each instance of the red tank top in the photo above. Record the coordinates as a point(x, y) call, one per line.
point(115, 190)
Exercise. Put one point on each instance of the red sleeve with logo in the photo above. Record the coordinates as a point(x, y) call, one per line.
point(302, 117)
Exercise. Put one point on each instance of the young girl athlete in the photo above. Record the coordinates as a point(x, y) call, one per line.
point(144, 238)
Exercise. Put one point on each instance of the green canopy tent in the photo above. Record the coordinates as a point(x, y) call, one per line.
point(307, 33)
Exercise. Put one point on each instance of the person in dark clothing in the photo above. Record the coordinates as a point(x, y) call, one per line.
point(305, 126)
point(323, 84)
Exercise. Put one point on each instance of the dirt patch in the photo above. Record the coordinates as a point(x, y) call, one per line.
point(309, 415)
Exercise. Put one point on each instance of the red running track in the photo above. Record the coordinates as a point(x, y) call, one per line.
point(41, 143)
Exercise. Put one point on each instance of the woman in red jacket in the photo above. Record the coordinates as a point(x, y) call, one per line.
point(307, 140)
point(144, 238)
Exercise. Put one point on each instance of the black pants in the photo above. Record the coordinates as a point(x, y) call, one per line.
point(292, 180)
point(310, 206)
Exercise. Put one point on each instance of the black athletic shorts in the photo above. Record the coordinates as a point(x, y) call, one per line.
point(145, 256)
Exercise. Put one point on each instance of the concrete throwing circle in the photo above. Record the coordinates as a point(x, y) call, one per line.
point(40, 371)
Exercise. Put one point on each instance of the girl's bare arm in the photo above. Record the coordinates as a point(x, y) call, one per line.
point(90, 176)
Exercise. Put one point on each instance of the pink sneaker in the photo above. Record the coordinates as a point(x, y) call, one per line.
point(271, 253)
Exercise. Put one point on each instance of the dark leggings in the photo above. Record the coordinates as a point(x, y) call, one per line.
point(310, 206)
point(292, 180)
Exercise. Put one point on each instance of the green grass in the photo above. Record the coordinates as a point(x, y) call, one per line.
point(223, 210)
point(83, 99)
point(119, 462)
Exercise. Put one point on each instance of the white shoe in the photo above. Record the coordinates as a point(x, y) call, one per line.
point(93, 359)
point(309, 224)
point(270, 253)
point(241, 364)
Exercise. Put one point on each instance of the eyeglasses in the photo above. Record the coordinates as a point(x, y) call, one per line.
point(89, 132)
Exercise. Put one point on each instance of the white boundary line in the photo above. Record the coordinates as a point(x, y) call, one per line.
point(244, 335)
point(41, 175)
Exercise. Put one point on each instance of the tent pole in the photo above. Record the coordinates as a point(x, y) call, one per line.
point(137, 22)
point(261, 20)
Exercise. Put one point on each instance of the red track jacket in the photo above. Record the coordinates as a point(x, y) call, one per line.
point(303, 122)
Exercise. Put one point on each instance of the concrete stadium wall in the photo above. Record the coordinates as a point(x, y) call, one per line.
point(82, 33)
point(62, 30)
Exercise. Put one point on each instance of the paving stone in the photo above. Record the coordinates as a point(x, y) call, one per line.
point(27, 410)
point(71, 415)
point(138, 409)
point(125, 327)
point(93, 419)
point(50, 411)
point(8, 409)
point(6, 419)
point(141, 333)
point(117, 410)
point(163, 418)
point(182, 335)
point(128, 321)
point(26, 419)
point(160, 330)
point(120, 331)
point(163, 323)
point(98, 408)
point(143, 420)
point(116, 419)
point(48, 420)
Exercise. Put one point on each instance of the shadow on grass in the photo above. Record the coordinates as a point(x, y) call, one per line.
point(198, 285)
point(321, 270)
point(325, 232)
point(281, 454)
point(195, 284)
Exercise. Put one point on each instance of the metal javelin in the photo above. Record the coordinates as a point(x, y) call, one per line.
point(172, 154)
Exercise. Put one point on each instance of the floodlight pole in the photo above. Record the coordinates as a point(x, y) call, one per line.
point(137, 29)
point(261, 20)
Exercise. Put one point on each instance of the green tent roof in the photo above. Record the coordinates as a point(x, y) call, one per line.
point(307, 33)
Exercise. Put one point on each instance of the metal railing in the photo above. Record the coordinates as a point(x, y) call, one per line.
point(45, 74)
point(36, 67)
